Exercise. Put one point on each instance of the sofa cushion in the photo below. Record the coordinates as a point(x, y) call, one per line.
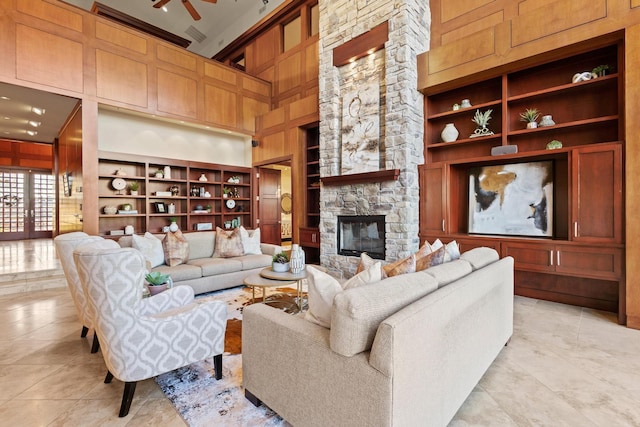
point(322, 290)
point(479, 257)
point(201, 244)
point(176, 249)
point(180, 272)
point(434, 258)
point(357, 312)
point(151, 248)
point(250, 262)
point(250, 241)
point(214, 266)
point(228, 243)
point(449, 271)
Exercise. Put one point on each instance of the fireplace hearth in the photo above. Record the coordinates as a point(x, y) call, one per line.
point(358, 234)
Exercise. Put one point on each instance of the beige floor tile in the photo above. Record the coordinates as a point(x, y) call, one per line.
point(33, 412)
point(15, 379)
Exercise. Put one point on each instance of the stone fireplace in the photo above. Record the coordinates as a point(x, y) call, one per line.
point(393, 68)
point(361, 233)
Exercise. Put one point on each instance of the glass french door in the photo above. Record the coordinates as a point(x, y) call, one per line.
point(27, 204)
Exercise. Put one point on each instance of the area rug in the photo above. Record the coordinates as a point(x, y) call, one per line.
point(202, 400)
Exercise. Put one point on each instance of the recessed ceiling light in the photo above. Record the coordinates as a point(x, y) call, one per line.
point(7, 118)
point(34, 123)
point(164, 9)
point(38, 111)
point(6, 98)
point(32, 132)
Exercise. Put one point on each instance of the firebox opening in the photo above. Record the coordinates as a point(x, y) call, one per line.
point(358, 234)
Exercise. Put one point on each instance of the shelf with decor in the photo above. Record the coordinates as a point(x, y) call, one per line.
point(309, 232)
point(571, 203)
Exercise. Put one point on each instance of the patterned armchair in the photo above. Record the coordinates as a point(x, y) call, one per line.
point(144, 337)
point(65, 244)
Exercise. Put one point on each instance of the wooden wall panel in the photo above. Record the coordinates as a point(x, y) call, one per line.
point(273, 118)
point(467, 49)
point(223, 74)
point(480, 24)
point(110, 84)
point(221, 106)
point(176, 57)
point(453, 9)
point(42, 57)
point(635, 3)
point(559, 16)
point(254, 86)
point(289, 73)
point(52, 13)
point(251, 108)
point(311, 63)
point(177, 94)
point(265, 48)
point(121, 38)
point(26, 154)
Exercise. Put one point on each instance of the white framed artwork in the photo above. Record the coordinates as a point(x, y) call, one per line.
point(361, 129)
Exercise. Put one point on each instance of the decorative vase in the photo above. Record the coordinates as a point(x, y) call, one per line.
point(167, 172)
point(297, 261)
point(159, 174)
point(202, 178)
point(110, 210)
point(134, 192)
point(128, 229)
point(547, 121)
point(173, 227)
point(279, 267)
point(156, 289)
point(449, 133)
point(465, 103)
point(171, 208)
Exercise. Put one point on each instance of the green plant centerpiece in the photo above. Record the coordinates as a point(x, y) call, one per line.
point(134, 186)
point(530, 116)
point(280, 262)
point(157, 282)
point(482, 122)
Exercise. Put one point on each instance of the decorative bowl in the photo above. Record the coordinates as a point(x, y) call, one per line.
point(110, 210)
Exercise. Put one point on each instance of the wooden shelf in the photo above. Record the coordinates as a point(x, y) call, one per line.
point(358, 178)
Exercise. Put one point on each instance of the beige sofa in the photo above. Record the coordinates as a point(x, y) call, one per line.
point(205, 273)
point(404, 351)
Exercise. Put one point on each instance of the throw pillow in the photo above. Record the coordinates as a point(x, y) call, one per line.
point(370, 275)
point(406, 265)
point(434, 258)
point(437, 244)
point(365, 262)
point(452, 251)
point(151, 248)
point(228, 243)
point(322, 289)
point(176, 248)
point(250, 241)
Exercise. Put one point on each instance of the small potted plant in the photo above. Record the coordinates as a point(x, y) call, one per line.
point(157, 282)
point(208, 208)
point(280, 262)
point(226, 192)
point(133, 188)
point(482, 124)
point(530, 116)
point(173, 226)
point(600, 71)
point(159, 173)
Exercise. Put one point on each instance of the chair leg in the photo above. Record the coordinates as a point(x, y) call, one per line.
point(108, 378)
point(96, 344)
point(217, 364)
point(251, 398)
point(127, 397)
point(83, 334)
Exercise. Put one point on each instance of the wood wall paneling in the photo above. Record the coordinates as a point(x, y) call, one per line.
point(289, 73)
point(121, 79)
point(49, 59)
point(453, 9)
point(635, 3)
point(251, 108)
point(265, 48)
point(467, 49)
point(51, 13)
point(177, 94)
point(481, 24)
point(221, 106)
point(118, 37)
point(254, 86)
point(311, 63)
point(176, 57)
point(220, 73)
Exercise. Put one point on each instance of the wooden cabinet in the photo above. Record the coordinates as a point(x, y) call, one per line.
point(192, 193)
point(310, 232)
point(582, 262)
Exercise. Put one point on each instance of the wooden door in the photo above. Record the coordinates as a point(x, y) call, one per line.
point(597, 193)
point(269, 206)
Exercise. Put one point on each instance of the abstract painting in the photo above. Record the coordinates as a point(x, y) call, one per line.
point(361, 129)
point(512, 199)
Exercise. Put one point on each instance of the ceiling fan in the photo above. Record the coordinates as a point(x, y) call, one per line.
point(187, 4)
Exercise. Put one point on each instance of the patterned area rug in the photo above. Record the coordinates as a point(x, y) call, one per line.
point(203, 401)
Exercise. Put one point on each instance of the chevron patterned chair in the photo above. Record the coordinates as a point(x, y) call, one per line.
point(144, 337)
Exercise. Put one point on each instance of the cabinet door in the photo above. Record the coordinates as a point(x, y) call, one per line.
point(597, 194)
point(433, 201)
point(309, 237)
point(531, 256)
point(595, 262)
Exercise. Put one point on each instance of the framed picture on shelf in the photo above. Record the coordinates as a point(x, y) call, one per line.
point(160, 207)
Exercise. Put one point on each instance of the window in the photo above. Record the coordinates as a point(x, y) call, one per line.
point(314, 17)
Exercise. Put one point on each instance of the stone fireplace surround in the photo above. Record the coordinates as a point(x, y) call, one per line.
point(401, 122)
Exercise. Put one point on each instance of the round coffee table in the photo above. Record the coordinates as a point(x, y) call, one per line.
point(257, 281)
point(288, 276)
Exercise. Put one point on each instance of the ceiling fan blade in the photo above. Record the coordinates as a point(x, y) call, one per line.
point(192, 10)
point(161, 3)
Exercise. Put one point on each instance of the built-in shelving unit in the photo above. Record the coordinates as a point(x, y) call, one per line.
point(310, 231)
point(582, 263)
point(192, 193)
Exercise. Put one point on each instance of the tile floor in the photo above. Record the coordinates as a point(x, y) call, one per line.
point(565, 366)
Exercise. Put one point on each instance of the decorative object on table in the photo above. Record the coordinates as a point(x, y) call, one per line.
point(157, 282)
point(159, 173)
point(455, 107)
point(121, 172)
point(118, 184)
point(167, 172)
point(110, 210)
point(582, 77)
point(133, 188)
point(173, 226)
point(203, 177)
point(449, 133)
point(160, 207)
point(297, 261)
point(129, 230)
point(504, 149)
point(530, 116)
point(554, 145)
point(280, 262)
point(600, 71)
point(171, 209)
point(175, 190)
point(465, 103)
point(225, 192)
point(230, 203)
point(547, 121)
point(482, 121)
